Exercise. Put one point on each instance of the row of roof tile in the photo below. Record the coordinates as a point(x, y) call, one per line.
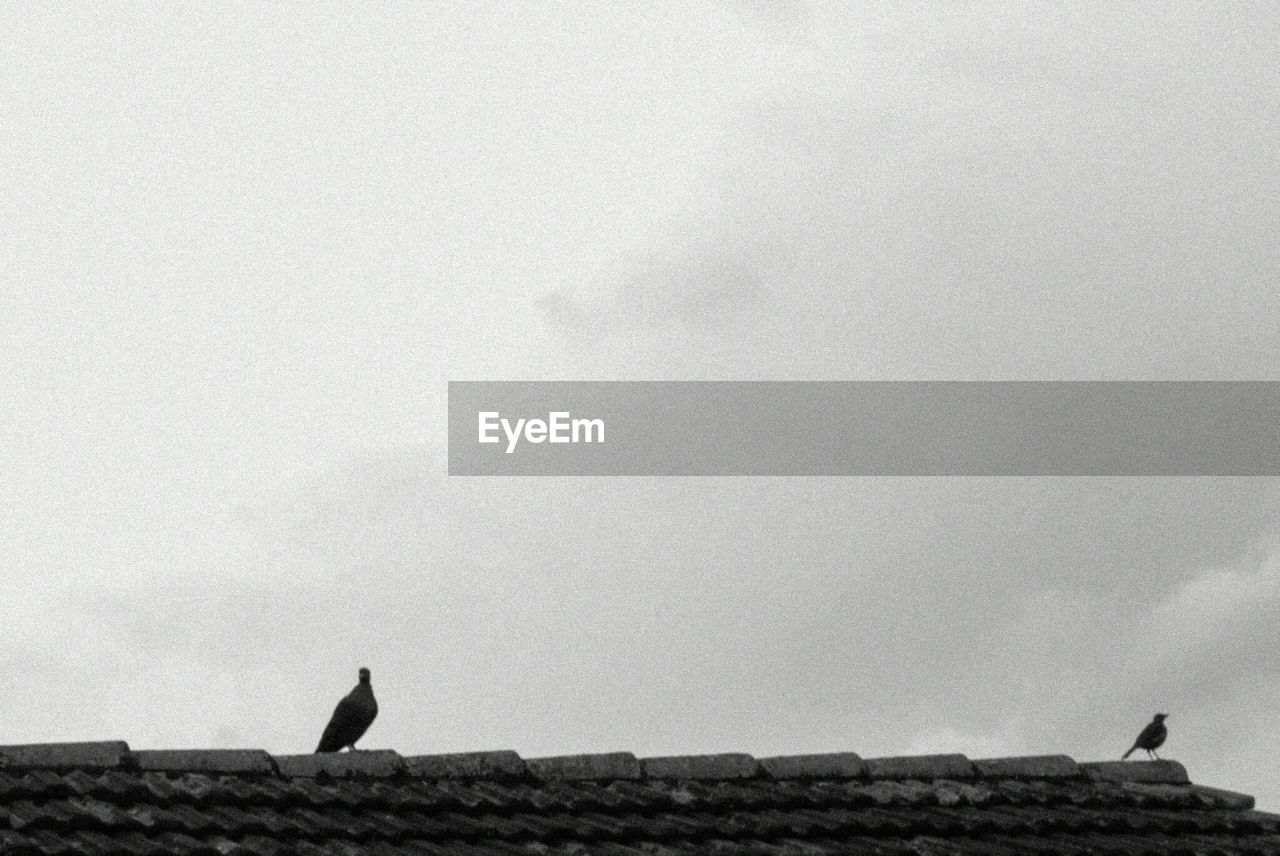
point(737, 822)
point(102, 799)
point(614, 766)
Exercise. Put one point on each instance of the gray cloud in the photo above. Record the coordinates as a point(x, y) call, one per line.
point(696, 285)
point(967, 200)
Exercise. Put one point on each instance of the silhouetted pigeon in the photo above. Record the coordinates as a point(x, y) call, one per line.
point(351, 718)
point(1150, 738)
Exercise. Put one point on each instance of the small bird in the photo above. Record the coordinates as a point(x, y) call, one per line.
point(351, 718)
point(1150, 738)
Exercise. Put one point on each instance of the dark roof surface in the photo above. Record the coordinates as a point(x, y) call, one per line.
point(101, 798)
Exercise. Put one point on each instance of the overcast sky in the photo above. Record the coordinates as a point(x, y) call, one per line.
point(243, 248)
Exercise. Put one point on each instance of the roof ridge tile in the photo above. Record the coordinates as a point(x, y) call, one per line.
point(1162, 771)
point(606, 766)
point(1228, 799)
point(499, 763)
point(826, 765)
point(726, 765)
point(954, 766)
point(203, 760)
point(361, 763)
point(1028, 767)
point(91, 754)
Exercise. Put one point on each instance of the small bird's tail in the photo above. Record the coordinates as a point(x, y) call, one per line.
point(1130, 752)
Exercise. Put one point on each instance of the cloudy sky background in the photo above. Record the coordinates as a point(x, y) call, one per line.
point(244, 248)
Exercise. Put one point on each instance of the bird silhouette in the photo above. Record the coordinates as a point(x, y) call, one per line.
point(1150, 738)
point(351, 718)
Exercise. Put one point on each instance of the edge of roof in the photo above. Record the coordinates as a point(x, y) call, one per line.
point(610, 766)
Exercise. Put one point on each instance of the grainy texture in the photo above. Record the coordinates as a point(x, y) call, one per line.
point(494, 803)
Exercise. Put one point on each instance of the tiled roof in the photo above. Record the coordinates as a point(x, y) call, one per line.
point(102, 798)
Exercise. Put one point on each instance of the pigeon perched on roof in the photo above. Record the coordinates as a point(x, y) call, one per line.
point(1150, 738)
point(351, 718)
